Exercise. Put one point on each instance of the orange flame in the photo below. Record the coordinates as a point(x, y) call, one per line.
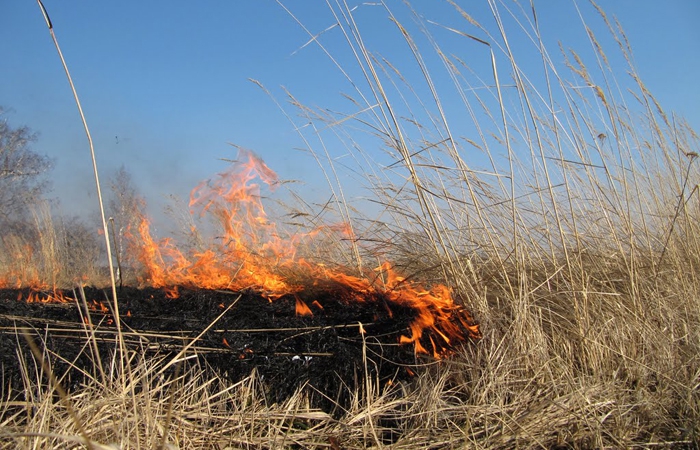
point(249, 247)
point(24, 272)
point(302, 309)
point(35, 296)
point(436, 310)
point(251, 254)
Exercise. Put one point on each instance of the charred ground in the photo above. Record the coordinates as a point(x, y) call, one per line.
point(331, 351)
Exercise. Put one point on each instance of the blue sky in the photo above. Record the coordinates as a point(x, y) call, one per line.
point(165, 85)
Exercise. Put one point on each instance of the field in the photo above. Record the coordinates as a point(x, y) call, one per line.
point(564, 219)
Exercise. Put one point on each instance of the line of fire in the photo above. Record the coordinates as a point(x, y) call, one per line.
point(251, 301)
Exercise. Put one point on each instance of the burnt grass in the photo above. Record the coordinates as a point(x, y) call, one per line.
point(325, 352)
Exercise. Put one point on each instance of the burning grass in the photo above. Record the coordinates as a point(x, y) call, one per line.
point(578, 253)
point(251, 254)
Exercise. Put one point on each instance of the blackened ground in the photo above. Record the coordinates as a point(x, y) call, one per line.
point(326, 350)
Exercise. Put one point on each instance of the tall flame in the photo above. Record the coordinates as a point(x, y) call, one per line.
point(251, 255)
point(243, 257)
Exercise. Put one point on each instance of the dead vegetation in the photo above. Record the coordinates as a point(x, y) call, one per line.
point(574, 240)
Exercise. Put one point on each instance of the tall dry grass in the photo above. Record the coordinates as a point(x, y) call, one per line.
point(49, 251)
point(565, 215)
point(556, 196)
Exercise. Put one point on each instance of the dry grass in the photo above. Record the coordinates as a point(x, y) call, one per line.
point(573, 236)
point(49, 251)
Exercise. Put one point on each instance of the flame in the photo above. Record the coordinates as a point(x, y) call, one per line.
point(58, 296)
point(35, 296)
point(252, 254)
point(316, 304)
point(302, 309)
point(246, 253)
point(435, 308)
point(24, 272)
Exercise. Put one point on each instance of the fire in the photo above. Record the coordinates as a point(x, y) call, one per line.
point(435, 308)
point(36, 296)
point(251, 254)
point(245, 255)
point(302, 309)
point(23, 273)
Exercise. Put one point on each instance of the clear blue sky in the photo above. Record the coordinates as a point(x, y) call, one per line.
point(164, 85)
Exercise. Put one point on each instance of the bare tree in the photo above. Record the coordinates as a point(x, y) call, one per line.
point(126, 205)
point(126, 209)
point(22, 171)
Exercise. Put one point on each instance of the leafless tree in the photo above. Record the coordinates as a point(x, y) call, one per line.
point(22, 171)
point(126, 209)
